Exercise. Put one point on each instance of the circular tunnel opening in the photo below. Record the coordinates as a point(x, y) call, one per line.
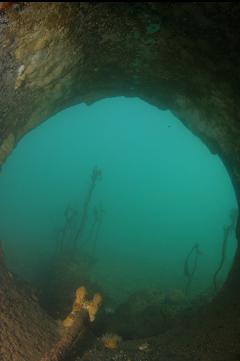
point(121, 197)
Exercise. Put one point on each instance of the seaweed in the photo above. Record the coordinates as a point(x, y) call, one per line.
point(95, 176)
point(98, 218)
point(62, 233)
point(95, 229)
point(189, 273)
point(226, 235)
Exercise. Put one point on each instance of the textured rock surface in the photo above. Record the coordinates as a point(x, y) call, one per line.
point(25, 330)
point(184, 57)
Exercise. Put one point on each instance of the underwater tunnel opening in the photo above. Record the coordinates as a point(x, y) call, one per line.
point(121, 196)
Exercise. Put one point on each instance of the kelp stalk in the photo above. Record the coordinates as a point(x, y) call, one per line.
point(96, 174)
point(227, 232)
point(195, 252)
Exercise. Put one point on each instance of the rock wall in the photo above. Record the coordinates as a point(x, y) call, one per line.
point(26, 332)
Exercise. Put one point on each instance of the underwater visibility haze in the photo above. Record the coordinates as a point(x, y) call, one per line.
point(143, 201)
point(119, 181)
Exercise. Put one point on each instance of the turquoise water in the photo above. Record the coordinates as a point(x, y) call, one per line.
point(161, 191)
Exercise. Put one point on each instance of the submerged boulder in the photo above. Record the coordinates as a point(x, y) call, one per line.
point(145, 313)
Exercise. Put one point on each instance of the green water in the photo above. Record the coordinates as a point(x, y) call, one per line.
point(161, 190)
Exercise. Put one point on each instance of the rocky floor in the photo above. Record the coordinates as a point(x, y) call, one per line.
point(27, 332)
point(210, 337)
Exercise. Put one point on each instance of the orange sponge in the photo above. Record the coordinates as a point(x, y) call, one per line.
point(81, 294)
point(93, 306)
point(80, 302)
